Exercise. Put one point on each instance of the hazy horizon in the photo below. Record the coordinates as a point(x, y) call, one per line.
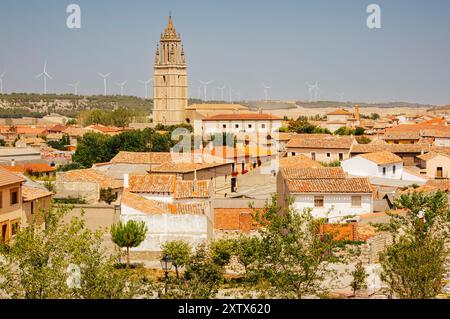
point(283, 44)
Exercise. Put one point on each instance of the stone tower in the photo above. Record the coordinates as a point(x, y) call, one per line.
point(170, 87)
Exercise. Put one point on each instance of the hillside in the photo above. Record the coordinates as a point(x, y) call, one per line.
point(37, 105)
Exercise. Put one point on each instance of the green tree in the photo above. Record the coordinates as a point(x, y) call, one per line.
point(202, 276)
point(363, 140)
point(107, 195)
point(221, 251)
point(293, 257)
point(70, 167)
point(180, 252)
point(358, 131)
point(246, 250)
point(37, 263)
point(414, 265)
point(359, 277)
point(93, 148)
point(128, 235)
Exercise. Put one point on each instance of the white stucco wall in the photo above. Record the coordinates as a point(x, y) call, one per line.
point(335, 205)
point(263, 126)
point(442, 141)
point(168, 227)
point(360, 166)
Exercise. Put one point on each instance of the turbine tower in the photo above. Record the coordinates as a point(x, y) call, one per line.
point(221, 91)
point(313, 90)
point(75, 86)
point(1, 82)
point(205, 85)
point(104, 76)
point(146, 83)
point(121, 85)
point(46, 76)
point(266, 91)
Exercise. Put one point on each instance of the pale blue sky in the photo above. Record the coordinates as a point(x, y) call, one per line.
point(283, 43)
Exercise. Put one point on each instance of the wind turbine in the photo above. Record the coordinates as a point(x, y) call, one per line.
point(121, 85)
point(221, 91)
point(1, 82)
point(230, 91)
point(75, 86)
point(104, 76)
point(313, 91)
point(146, 83)
point(45, 75)
point(266, 92)
point(205, 85)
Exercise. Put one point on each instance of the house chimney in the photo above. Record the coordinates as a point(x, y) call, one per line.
point(13, 162)
point(357, 116)
point(126, 181)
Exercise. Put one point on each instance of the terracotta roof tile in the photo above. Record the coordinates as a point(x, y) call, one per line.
point(333, 142)
point(32, 193)
point(30, 167)
point(8, 178)
point(299, 161)
point(393, 148)
point(142, 157)
point(313, 173)
point(91, 175)
point(382, 158)
point(152, 183)
point(340, 112)
point(241, 116)
point(348, 185)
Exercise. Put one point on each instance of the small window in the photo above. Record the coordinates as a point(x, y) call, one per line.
point(356, 201)
point(263, 125)
point(14, 228)
point(236, 125)
point(318, 201)
point(313, 156)
point(249, 126)
point(32, 207)
point(393, 169)
point(14, 196)
point(341, 156)
point(224, 126)
point(328, 154)
point(292, 153)
point(384, 171)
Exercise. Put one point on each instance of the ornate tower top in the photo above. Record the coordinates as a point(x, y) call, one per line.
point(171, 51)
point(170, 34)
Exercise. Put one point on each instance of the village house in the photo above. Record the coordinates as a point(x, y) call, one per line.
point(133, 163)
point(32, 169)
point(102, 129)
point(407, 152)
point(10, 204)
point(326, 191)
point(258, 123)
point(436, 164)
point(18, 155)
point(35, 199)
point(321, 148)
point(341, 117)
point(172, 209)
point(86, 184)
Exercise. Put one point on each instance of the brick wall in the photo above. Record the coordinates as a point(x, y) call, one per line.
point(237, 219)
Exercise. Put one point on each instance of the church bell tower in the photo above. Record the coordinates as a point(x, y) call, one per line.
point(170, 88)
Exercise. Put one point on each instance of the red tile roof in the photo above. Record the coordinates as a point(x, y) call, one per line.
point(340, 112)
point(348, 185)
point(142, 158)
point(313, 173)
point(332, 142)
point(382, 158)
point(93, 176)
point(32, 193)
point(8, 178)
point(30, 167)
point(299, 161)
point(241, 116)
